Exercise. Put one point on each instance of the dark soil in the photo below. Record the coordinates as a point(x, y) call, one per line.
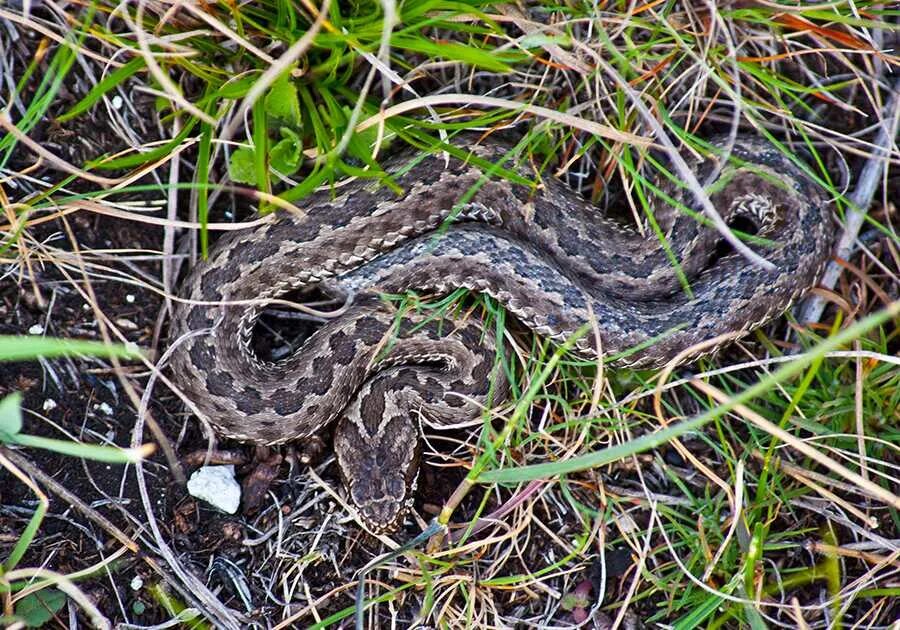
point(84, 399)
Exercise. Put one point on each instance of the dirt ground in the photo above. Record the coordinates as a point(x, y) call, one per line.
point(300, 532)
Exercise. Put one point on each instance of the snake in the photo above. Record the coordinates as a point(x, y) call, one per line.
point(650, 291)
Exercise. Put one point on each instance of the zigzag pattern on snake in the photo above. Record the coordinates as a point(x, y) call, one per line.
point(544, 253)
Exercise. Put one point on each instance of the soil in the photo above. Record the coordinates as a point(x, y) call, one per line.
point(85, 398)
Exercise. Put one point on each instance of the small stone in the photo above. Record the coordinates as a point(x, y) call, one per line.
point(129, 298)
point(137, 583)
point(217, 486)
point(37, 329)
point(126, 324)
point(117, 102)
point(104, 408)
point(49, 405)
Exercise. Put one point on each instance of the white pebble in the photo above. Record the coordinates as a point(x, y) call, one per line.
point(129, 298)
point(117, 102)
point(37, 329)
point(49, 405)
point(104, 408)
point(137, 583)
point(217, 486)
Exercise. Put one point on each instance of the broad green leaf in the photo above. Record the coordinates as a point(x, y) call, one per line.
point(11, 414)
point(285, 155)
point(699, 614)
point(282, 102)
point(25, 348)
point(39, 607)
point(241, 166)
point(237, 88)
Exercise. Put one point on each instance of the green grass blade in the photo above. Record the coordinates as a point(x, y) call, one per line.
point(654, 440)
point(115, 78)
point(24, 348)
point(96, 452)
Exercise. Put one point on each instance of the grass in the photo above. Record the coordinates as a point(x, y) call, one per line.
point(759, 489)
point(34, 595)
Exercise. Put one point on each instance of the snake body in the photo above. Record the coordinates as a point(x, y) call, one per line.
point(545, 254)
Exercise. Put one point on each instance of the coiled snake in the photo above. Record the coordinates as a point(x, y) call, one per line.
point(546, 255)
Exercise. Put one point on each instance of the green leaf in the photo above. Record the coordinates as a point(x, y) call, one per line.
point(538, 40)
point(96, 93)
point(260, 138)
point(286, 154)
point(138, 159)
point(95, 452)
point(236, 88)
point(11, 414)
point(469, 55)
point(204, 150)
point(24, 348)
point(698, 614)
point(242, 166)
point(39, 607)
point(282, 102)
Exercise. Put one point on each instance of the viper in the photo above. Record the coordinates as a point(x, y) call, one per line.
point(544, 253)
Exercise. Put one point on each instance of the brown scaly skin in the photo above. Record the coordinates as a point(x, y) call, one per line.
point(545, 254)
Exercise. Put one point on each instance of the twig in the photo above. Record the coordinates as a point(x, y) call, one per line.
point(859, 202)
point(63, 493)
point(7, 124)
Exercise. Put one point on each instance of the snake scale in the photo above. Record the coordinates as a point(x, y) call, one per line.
point(544, 253)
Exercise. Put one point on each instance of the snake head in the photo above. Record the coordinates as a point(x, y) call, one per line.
point(379, 465)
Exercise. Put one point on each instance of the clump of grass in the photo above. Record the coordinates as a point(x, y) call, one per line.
point(733, 523)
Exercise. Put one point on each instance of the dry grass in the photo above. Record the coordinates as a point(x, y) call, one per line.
point(125, 125)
